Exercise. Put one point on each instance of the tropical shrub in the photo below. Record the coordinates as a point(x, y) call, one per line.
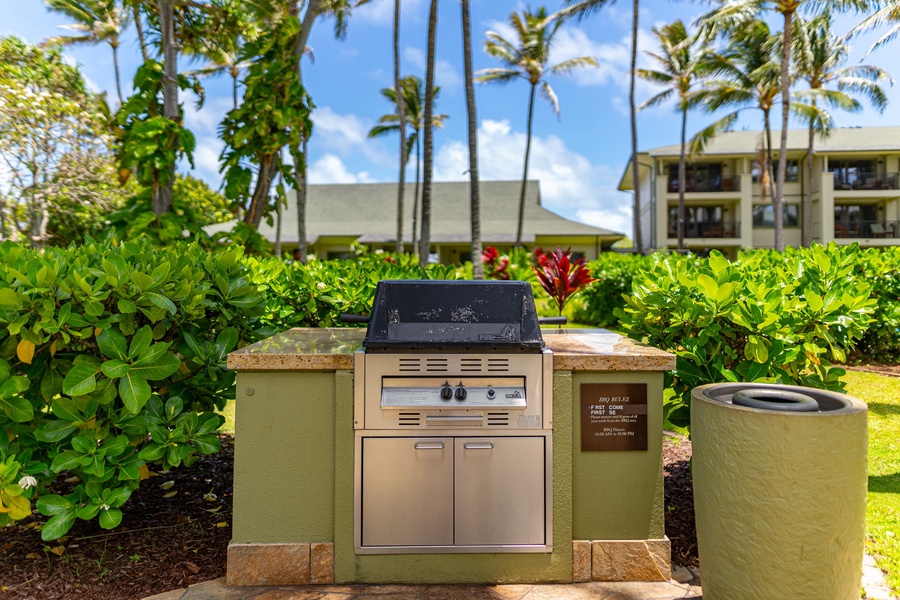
point(316, 293)
point(560, 276)
point(880, 268)
point(614, 272)
point(112, 359)
point(766, 317)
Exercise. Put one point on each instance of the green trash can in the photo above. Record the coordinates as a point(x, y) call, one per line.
point(779, 491)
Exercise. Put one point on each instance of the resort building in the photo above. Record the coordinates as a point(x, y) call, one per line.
point(339, 215)
point(855, 191)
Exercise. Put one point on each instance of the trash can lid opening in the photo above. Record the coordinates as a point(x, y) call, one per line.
point(784, 398)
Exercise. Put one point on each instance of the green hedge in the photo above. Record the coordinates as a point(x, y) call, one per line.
point(881, 269)
point(596, 305)
point(111, 360)
point(765, 317)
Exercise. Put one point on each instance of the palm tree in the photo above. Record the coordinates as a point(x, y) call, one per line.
point(97, 21)
point(683, 60)
point(162, 200)
point(340, 11)
point(401, 126)
point(734, 12)
point(818, 56)
point(472, 120)
point(887, 14)
point(425, 243)
point(527, 59)
point(748, 78)
point(413, 103)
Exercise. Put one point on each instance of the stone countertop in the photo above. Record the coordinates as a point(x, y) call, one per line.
point(330, 349)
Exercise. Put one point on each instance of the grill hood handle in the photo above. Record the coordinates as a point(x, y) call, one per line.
point(553, 320)
point(345, 318)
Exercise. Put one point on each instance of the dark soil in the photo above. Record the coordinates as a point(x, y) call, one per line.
point(165, 543)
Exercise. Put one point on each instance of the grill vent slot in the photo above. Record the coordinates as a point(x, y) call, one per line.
point(410, 419)
point(498, 365)
point(438, 365)
point(410, 364)
point(470, 365)
point(498, 419)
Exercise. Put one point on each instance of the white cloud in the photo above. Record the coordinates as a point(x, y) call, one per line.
point(344, 134)
point(206, 157)
point(331, 169)
point(570, 184)
point(381, 12)
point(445, 74)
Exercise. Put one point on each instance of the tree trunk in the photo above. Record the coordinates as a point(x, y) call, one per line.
point(162, 199)
point(474, 191)
point(115, 49)
point(768, 162)
point(682, 175)
point(807, 197)
point(415, 210)
point(429, 137)
point(521, 219)
point(778, 200)
point(140, 29)
point(279, 201)
point(401, 118)
point(260, 198)
point(638, 239)
point(234, 86)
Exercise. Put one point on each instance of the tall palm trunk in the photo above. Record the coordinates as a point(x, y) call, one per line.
point(136, 11)
point(234, 85)
point(162, 196)
point(682, 175)
point(429, 136)
point(638, 240)
point(115, 49)
point(521, 220)
point(474, 192)
point(415, 210)
point(778, 200)
point(401, 118)
point(767, 125)
point(807, 197)
point(312, 11)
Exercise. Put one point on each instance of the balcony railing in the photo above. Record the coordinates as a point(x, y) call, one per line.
point(866, 229)
point(720, 229)
point(866, 181)
point(724, 184)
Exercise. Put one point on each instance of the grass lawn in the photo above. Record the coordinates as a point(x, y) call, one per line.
point(882, 394)
point(228, 413)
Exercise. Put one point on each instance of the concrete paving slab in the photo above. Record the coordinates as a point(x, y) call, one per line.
point(217, 590)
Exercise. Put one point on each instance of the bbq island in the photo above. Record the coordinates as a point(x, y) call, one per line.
point(505, 453)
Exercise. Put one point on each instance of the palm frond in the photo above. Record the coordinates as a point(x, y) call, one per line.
point(567, 66)
point(700, 139)
point(497, 75)
point(657, 99)
point(550, 96)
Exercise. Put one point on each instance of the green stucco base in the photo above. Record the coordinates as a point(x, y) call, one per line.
point(780, 501)
point(294, 481)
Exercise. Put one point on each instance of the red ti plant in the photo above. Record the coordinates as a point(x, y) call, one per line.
point(559, 276)
point(495, 266)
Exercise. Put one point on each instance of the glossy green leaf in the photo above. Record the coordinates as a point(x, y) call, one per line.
point(80, 380)
point(134, 391)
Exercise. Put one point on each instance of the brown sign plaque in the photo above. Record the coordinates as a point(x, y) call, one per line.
point(613, 416)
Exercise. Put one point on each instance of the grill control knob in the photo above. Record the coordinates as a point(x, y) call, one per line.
point(446, 391)
point(461, 392)
point(491, 394)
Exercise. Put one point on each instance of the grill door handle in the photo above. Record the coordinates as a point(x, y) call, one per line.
point(429, 446)
point(478, 445)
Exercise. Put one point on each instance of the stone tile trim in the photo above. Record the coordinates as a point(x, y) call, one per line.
point(321, 563)
point(279, 564)
point(631, 560)
point(581, 561)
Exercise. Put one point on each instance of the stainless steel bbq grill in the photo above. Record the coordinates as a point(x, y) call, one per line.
point(453, 419)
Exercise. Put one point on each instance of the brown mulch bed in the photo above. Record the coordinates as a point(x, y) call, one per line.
point(679, 500)
point(165, 543)
point(892, 370)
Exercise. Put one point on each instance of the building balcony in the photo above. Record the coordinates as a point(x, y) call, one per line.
point(717, 229)
point(854, 229)
point(866, 181)
point(719, 184)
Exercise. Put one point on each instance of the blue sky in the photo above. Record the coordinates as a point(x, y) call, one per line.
point(577, 158)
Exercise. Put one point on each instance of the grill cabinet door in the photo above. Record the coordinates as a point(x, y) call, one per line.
point(500, 491)
point(407, 491)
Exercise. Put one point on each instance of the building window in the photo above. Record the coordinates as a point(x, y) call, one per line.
point(699, 221)
point(852, 174)
point(791, 174)
point(854, 220)
point(764, 215)
point(702, 177)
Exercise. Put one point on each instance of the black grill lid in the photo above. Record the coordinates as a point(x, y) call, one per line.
point(485, 315)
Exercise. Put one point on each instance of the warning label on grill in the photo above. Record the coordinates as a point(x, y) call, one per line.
point(613, 416)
